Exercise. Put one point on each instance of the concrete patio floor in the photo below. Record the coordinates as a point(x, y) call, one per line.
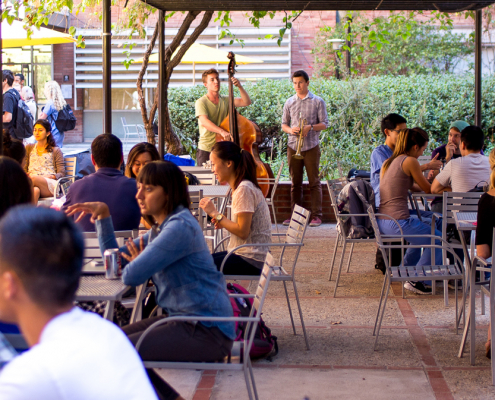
point(417, 350)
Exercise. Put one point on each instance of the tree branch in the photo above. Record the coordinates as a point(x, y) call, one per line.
point(199, 29)
point(190, 17)
point(142, 72)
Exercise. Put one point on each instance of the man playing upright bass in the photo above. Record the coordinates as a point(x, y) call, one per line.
point(211, 110)
point(306, 106)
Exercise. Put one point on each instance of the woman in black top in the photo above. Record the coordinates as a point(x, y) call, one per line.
point(485, 225)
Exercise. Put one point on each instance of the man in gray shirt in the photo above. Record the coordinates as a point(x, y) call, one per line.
point(305, 105)
point(464, 173)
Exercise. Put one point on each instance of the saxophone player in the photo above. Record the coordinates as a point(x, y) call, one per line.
point(305, 105)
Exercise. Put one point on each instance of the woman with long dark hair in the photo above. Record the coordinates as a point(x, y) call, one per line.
point(44, 161)
point(140, 155)
point(13, 148)
point(14, 185)
point(251, 222)
point(175, 256)
point(400, 173)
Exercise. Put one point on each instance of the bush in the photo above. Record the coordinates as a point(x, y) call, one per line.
point(355, 108)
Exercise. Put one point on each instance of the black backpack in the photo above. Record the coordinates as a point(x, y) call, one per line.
point(24, 121)
point(66, 121)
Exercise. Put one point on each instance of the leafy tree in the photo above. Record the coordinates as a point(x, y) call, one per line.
point(135, 16)
point(397, 44)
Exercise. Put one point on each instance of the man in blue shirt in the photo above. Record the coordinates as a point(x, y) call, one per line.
point(107, 185)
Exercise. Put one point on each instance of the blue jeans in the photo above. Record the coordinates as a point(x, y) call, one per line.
point(414, 226)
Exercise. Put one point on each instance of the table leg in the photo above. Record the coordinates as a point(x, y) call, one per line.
point(109, 310)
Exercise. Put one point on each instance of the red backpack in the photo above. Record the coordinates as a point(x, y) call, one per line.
point(264, 343)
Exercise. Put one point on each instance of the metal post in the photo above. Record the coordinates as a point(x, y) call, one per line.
point(107, 68)
point(1, 97)
point(348, 44)
point(477, 69)
point(161, 83)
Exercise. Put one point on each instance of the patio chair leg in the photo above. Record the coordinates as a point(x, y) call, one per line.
point(253, 383)
point(456, 308)
point(290, 309)
point(301, 315)
point(275, 219)
point(350, 256)
point(492, 331)
point(248, 381)
point(333, 257)
point(340, 269)
point(385, 279)
point(482, 278)
point(381, 317)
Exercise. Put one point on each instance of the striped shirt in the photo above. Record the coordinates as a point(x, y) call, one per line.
point(313, 109)
point(465, 173)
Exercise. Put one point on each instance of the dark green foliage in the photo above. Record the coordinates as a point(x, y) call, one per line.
point(355, 108)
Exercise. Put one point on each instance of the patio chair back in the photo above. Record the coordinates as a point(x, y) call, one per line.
point(299, 222)
point(92, 246)
point(270, 198)
point(63, 184)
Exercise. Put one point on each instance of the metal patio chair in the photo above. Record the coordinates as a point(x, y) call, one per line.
point(136, 130)
point(334, 188)
point(241, 362)
point(412, 273)
point(270, 199)
point(293, 238)
point(63, 184)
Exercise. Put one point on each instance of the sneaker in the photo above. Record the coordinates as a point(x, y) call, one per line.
point(452, 284)
point(315, 222)
point(286, 222)
point(417, 287)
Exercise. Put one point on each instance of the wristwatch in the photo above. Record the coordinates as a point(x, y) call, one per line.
point(218, 217)
point(312, 127)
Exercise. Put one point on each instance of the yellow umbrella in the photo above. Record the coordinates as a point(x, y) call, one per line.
point(199, 53)
point(16, 36)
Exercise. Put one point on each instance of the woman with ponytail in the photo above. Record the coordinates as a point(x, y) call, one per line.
point(251, 222)
point(485, 225)
point(401, 173)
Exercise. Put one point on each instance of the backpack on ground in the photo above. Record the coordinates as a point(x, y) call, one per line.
point(24, 121)
point(264, 343)
point(191, 179)
point(66, 121)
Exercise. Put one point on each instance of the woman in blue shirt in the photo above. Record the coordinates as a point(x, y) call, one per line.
point(175, 256)
point(50, 112)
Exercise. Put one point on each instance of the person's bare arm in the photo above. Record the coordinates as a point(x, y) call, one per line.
point(244, 100)
point(241, 229)
point(7, 117)
point(43, 116)
point(437, 187)
point(434, 164)
point(412, 168)
point(483, 250)
point(205, 121)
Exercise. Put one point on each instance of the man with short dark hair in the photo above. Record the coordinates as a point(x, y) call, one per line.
point(312, 109)
point(11, 99)
point(211, 110)
point(74, 354)
point(107, 185)
point(19, 80)
point(465, 173)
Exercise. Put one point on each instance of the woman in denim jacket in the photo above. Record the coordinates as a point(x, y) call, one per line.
point(175, 256)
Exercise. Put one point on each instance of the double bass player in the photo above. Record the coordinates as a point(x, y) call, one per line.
point(306, 106)
point(211, 110)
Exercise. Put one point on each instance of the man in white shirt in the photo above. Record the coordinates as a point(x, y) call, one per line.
point(74, 355)
point(465, 173)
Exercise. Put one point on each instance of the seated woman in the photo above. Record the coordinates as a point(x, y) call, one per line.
point(175, 256)
point(16, 189)
point(399, 174)
point(251, 222)
point(13, 148)
point(485, 225)
point(140, 155)
point(44, 161)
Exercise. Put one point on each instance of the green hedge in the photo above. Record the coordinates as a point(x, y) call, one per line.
point(355, 108)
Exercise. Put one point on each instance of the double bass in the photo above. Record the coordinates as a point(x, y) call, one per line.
point(245, 133)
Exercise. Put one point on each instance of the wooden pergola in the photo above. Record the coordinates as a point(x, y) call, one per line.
point(274, 5)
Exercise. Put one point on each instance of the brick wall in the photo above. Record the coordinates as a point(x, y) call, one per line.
point(63, 64)
point(282, 202)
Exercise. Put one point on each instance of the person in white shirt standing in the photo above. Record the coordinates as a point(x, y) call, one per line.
point(465, 173)
point(73, 355)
